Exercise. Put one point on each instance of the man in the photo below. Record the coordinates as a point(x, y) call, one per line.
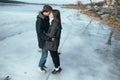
point(42, 26)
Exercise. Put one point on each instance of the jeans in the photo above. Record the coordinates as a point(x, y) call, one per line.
point(43, 58)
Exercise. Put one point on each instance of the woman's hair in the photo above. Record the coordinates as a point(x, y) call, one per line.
point(47, 8)
point(56, 15)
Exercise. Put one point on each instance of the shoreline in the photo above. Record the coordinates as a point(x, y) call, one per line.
point(109, 21)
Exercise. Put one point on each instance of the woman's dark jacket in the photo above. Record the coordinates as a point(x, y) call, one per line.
point(53, 32)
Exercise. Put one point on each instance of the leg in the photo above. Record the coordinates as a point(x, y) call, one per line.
point(55, 58)
point(56, 61)
point(43, 58)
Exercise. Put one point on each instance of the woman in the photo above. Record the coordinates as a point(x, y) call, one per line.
point(54, 33)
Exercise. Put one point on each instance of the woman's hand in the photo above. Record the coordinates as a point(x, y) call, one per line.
point(53, 39)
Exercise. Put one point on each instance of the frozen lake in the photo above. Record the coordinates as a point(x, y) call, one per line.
point(85, 55)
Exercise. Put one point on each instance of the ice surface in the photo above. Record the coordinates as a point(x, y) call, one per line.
point(85, 55)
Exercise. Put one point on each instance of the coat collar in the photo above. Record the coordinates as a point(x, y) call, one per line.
point(41, 15)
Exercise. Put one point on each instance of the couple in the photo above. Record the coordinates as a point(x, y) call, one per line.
point(49, 37)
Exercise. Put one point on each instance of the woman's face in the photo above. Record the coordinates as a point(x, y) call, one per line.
point(51, 15)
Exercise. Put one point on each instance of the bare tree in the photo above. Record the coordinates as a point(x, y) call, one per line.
point(105, 2)
point(79, 3)
point(92, 3)
point(116, 8)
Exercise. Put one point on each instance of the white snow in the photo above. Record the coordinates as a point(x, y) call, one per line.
point(85, 55)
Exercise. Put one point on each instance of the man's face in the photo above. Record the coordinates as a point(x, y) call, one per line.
point(47, 13)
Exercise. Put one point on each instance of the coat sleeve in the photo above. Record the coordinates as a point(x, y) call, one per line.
point(54, 30)
point(45, 37)
point(39, 30)
point(38, 26)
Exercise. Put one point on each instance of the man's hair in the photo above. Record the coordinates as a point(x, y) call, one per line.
point(47, 8)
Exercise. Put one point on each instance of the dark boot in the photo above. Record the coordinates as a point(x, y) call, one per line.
point(56, 71)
